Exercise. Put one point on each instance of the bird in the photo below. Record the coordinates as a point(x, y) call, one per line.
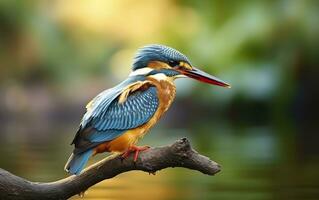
point(118, 117)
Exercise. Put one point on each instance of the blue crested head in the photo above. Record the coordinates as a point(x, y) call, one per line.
point(156, 52)
point(162, 61)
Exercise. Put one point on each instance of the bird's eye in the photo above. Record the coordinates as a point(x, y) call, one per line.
point(173, 63)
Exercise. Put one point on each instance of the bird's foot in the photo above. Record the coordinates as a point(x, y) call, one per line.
point(134, 149)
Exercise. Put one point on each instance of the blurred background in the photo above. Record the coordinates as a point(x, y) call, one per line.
point(57, 55)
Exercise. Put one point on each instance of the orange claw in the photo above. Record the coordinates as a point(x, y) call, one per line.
point(136, 150)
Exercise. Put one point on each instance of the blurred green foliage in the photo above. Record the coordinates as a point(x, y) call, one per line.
point(261, 47)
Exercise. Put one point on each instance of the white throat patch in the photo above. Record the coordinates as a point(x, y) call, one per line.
point(142, 71)
point(160, 76)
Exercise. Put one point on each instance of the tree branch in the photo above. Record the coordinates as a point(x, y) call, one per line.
point(179, 154)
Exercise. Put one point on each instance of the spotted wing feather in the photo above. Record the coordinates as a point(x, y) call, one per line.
point(105, 124)
point(135, 111)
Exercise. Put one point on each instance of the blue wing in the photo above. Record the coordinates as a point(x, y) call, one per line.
point(138, 109)
point(109, 119)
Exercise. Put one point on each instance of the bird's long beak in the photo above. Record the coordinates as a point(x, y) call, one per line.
point(204, 77)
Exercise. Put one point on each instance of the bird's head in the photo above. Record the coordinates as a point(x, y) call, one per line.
point(165, 62)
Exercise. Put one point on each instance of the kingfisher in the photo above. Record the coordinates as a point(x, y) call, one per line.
point(118, 117)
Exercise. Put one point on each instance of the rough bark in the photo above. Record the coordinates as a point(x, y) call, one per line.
point(179, 154)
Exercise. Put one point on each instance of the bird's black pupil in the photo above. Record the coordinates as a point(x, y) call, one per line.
point(173, 63)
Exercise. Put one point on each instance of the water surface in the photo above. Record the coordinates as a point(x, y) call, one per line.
point(257, 163)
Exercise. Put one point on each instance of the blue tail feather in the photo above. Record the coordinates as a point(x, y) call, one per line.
point(76, 162)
